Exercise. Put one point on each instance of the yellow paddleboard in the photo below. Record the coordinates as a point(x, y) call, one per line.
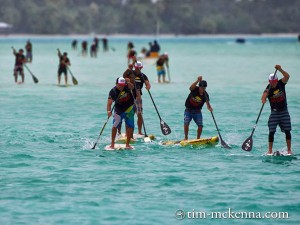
point(194, 142)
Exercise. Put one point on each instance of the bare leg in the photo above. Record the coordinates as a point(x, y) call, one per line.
point(23, 77)
point(129, 133)
point(270, 148)
point(58, 79)
point(186, 131)
point(113, 136)
point(164, 78)
point(199, 132)
point(289, 144)
point(66, 79)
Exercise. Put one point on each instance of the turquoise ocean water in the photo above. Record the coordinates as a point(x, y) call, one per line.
point(50, 175)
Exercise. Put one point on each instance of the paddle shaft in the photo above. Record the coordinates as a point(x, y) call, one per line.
point(216, 126)
point(102, 129)
point(169, 74)
point(154, 104)
point(222, 142)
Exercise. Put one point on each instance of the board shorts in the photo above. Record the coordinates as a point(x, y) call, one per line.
point(62, 70)
point(18, 68)
point(160, 70)
point(29, 55)
point(138, 107)
point(196, 115)
point(281, 118)
point(128, 116)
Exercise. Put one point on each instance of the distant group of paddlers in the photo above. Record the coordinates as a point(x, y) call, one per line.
point(64, 61)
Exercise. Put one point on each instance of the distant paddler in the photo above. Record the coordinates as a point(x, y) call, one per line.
point(161, 71)
point(18, 68)
point(123, 109)
point(131, 53)
point(64, 62)
point(275, 92)
point(194, 103)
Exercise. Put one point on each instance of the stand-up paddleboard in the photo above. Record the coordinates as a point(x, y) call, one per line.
point(279, 154)
point(194, 142)
point(122, 137)
point(63, 85)
point(117, 147)
point(279, 157)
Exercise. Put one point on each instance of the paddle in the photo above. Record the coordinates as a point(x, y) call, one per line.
point(75, 82)
point(169, 74)
point(165, 129)
point(35, 80)
point(247, 145)
point(223, 143)
point(102, 129)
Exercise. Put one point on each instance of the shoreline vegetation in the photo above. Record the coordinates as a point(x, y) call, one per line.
point(161, 36)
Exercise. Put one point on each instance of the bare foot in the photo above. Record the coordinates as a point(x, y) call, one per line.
point(129, 147)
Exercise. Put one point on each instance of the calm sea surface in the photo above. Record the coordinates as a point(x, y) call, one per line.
point(50, 175)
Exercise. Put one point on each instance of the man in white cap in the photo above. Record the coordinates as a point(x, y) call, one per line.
point(121, 95)
point(140, 80)
point(275, 92)
point(161, 71)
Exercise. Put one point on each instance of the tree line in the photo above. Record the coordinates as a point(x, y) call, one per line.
point(151, 16)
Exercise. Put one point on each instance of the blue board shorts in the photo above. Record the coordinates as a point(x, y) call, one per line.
point(128, 116)
point(160, 70)
point(281, 118)
point(196, 115)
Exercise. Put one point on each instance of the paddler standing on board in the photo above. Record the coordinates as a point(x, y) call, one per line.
point(194, 103)
point(121, 95)
point(20, 60)
point(160, 68)
point(140, 80)
point(275, 91)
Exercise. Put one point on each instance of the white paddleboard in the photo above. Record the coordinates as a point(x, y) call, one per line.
point(118, 147)
point(278, 153)
point(137, 136)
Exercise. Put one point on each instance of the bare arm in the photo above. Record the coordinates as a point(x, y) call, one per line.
point(193, 86)
point(108, 107)
point(147, 83)
point(286, 76)
point(129, 84)
point(264, 96)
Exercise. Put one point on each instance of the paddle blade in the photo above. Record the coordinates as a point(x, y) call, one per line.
point(94, 146)
point(224, 144)
point(35, 80)
point(75, 82)
point(165, 129)
point(247, 145)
